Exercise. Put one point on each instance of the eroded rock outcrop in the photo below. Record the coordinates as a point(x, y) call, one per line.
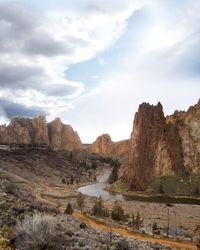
point(37, 129)
point(63, 136)
point(25, 131)
point(155, 148)
point(14, 134)
point(105, 146)
point(188, 124)
point(36, 132)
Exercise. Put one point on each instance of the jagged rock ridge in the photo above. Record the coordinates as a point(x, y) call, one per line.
point(37, 132)
point(162, 146)
point(63, 136)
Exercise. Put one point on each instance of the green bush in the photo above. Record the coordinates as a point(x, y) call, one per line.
point(69, 209)
point(80, 201)
point(118, 213)
point(99, 209)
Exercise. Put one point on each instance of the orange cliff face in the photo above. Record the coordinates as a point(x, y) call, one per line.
point(25, 131)
point(162, 146)
point(63, 136)
point(36, 131)
point(105, 146)
point(155, 148)
point(188, 124)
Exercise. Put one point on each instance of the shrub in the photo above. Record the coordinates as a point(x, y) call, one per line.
point(118, 213)
point(122, 245)
point(63, 181)
point(80, 201)
point(83, 225)
point(39, 232)
point(114, 175)
point(161, 189)
point(99, 209)
point(69, 209)
point(10, 188)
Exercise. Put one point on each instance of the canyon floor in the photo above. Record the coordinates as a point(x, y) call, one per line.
point(45, 181)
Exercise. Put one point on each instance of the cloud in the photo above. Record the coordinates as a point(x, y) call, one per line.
point(38, 45)
point(162, 64)
point(18, 76)
point(11, 109)
point(46, 46)
point(148, 51)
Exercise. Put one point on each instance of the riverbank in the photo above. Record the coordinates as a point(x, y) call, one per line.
point(151, 197)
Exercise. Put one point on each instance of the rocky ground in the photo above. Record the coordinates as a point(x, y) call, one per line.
point(33, 181)
point(15, 205)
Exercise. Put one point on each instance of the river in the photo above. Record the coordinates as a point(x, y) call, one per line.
point(98, 189)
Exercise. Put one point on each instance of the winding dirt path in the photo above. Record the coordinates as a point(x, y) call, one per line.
point(127, 233)
point(101, 226)
point(40, 197)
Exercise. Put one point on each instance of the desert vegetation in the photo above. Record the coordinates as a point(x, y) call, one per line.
point(39, 232)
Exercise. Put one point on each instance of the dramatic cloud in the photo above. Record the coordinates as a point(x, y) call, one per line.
point(159, 62)
point(93, 62)
point(37, 46)
point(12, 109)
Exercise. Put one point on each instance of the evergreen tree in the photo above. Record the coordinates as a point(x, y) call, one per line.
point(138, 221)
point(63, 181)
point(99, 209)
point(132, 220)
point(118, 213)
point(80, 201)
point(69, 209)
point(72, 180)
point(114, 175)
point(161, 189)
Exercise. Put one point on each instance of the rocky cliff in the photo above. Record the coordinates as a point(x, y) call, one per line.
point(36, 131)
point(63, 136)
point(105, 146)
point(162, 146)
point(188, 124)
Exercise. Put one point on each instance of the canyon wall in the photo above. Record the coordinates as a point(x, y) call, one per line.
point(36, 131)
point(162, 145)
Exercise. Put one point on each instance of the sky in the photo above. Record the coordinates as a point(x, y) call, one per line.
point(92, 62)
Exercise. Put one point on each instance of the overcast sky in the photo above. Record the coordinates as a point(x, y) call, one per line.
point(92, 62)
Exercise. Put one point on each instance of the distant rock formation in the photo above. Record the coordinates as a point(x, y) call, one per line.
point(62, 136)
point(105, 146)
point(37, 132)
point(162, 146)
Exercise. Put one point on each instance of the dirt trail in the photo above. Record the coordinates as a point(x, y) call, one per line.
point(127, 233)
point(39, 196)
point(100, 226)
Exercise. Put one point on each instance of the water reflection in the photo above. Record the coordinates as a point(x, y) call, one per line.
point(97, 189)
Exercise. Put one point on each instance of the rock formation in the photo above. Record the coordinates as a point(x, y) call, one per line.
point(14, 134)
point(121, 147)
point(188, 124)
point(63, 136)
point(105, 146)
point(156, 148)
point(37, 129)
point(37, 132)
